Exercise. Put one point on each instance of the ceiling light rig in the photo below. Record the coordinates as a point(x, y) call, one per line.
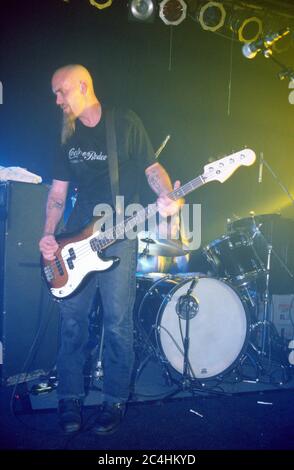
point(172, 12)
point(102, 4)
point(142, 10)
point(247, 27)
point(211, 16)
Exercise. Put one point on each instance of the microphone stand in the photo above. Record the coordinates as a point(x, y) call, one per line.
point(267, 51)
point(265, 319)
point(186, 314)
point(287, 192)
point(270, 251)
point(279, 182)
point(286, 72)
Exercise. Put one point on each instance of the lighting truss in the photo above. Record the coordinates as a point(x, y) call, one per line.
point(172, 12)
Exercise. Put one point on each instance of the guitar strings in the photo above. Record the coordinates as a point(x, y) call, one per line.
point(175, 194)
point(85, 247)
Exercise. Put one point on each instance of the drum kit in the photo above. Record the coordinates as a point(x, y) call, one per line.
point(205, 329)
point(201, 326)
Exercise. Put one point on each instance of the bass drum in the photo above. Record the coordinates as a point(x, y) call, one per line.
point(218, 326)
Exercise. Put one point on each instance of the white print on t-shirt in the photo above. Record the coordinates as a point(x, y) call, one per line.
point(77, 155)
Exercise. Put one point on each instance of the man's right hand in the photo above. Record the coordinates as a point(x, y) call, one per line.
point(48, 246)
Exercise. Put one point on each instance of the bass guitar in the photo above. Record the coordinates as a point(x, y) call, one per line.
point(81, 253)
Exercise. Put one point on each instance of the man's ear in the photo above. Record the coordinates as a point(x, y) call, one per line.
point(83, 87)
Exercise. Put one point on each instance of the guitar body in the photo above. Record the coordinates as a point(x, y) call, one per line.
point(74, 260)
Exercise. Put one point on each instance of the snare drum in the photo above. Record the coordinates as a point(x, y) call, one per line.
point(218, 327)
point(234, 257)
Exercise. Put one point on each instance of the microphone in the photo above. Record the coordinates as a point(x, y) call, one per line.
point(260, 168)
point(251, 49)
point(187, 305)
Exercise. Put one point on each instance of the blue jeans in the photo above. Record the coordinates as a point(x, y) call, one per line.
point(117, 290)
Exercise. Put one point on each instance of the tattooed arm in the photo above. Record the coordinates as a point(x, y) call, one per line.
point(158, 179)
point(160, 182)
point(54, 210)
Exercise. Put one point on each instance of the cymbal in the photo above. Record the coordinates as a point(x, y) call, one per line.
point(249, 224)
point(161, 247)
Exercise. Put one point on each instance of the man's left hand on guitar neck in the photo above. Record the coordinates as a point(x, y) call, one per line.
point(168, 207)
point(160, 183)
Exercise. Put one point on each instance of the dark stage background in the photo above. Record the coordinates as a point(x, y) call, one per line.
point(185, 94)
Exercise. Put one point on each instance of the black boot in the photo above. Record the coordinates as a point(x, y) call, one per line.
point(70, 415)
point(109, 418)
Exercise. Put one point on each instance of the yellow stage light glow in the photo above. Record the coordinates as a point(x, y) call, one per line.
point(101, 5)
point(247, 28)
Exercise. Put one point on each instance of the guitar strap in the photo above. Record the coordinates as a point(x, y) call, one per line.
point(112, 158)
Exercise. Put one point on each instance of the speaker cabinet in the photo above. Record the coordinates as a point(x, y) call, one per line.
point(29, 322)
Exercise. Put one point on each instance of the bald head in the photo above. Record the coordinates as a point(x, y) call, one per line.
point(73, 87)
point(75, 74)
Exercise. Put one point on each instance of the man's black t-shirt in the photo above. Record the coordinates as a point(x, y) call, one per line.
point(83, 160)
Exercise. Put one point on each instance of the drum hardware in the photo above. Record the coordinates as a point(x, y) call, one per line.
point(278, 231)
point(278, 181)
point(146, 250)
point(161, 247)
point(144, 344)
point(250, 368)
point(252, 228)
point(244, 256)
point(248, 296)
point(187, 308)
point(266, 299)
point(266, 325)
point(153, 352)
point(233, 257)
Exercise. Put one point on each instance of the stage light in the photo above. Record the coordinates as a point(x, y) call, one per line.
point(141, 10)
point(102, 4)
point(212, 16)
point(172, 12)
point(248, 28)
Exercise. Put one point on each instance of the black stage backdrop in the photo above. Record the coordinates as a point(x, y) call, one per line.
point(176, 78)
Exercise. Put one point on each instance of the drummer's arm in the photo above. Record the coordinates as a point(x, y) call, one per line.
point(160, 182)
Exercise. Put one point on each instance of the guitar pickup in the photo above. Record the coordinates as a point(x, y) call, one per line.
point(49, 273)
point(72, 257)
point(72, 254)
point(70, 263)
point(59, 267)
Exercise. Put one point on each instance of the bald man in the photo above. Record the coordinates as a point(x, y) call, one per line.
point(83, 159)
